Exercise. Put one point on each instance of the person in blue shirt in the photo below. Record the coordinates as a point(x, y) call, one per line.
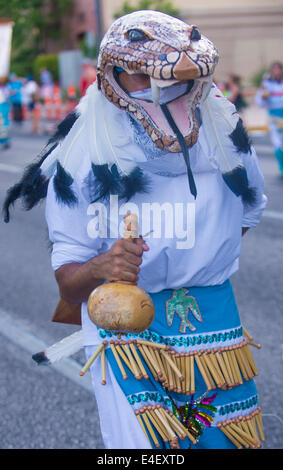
point(15, 96)
point(270, 96)
point(5, 108)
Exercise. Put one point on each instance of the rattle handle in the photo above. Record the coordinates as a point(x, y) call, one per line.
point(131, 230)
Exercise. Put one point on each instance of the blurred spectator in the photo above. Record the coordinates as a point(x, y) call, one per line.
point(5, 108)
point(57, 102)
point(72, 100)
point(47, 92)
point(88, 75)
point(15, 96)
point(31, 99)
point(47, 97)
point(45, 77)
point(235, 94)
point(222, 87)
point(270, 97)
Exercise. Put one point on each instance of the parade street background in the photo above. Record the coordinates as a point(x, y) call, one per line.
point(48, 59)
point(52, 407)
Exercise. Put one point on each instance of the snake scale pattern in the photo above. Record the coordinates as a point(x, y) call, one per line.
point(168, 51)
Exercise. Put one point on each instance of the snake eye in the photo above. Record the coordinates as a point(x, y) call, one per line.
point(195, 34)
point(136, 35)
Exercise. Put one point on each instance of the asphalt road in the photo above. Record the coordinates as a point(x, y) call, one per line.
point(53, 408)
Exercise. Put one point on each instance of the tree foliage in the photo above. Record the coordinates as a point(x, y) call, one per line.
point(159, 5)
point(48, 61)
point(34, 22)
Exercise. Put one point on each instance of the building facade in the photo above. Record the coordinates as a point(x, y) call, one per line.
point(247, 33)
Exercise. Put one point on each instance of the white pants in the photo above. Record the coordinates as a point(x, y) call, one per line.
point(119, 426)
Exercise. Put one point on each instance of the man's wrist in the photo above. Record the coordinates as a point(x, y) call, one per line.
point(96, 270)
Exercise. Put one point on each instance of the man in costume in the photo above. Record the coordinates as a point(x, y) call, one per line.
point(270, 97)
point(153, 131)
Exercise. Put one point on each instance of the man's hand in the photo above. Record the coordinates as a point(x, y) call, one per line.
point(121, 262)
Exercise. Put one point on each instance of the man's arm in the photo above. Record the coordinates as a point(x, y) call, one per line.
point(120, 263)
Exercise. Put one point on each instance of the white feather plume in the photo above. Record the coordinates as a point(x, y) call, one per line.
point(219, 120)
point(49, 164)
point(63, 348)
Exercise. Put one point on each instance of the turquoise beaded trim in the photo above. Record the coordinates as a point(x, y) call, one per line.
point(148, 396)
point(187, 341)
point(238, 406)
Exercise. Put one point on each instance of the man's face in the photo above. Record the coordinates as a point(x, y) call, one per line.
point(134, 82)
point(277, 72)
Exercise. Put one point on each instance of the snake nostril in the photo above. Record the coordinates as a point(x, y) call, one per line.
point(162, 56)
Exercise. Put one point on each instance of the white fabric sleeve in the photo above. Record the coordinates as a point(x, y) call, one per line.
point(252, 213)
point(259, 100)
point(67, 228)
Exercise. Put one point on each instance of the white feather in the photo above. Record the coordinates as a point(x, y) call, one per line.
point(71, 149)
point(105, 135)
point(219, 119)
point(49, 164)
point(64, 348)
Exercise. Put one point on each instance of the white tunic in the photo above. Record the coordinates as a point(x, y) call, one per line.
point(193, 243)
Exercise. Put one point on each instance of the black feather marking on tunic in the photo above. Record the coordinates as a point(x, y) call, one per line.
point(64, 127)
point(110, 182)
point(240, 138)
point(135, 183)
point(237, 181)
point(33, 185)
point(62, 185)
point(106, 181)
point(31, 188)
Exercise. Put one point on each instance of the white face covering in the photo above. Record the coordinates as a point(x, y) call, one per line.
point(167, 94)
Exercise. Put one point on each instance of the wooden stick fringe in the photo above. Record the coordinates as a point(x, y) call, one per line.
point(152, 361)
point(161, 417)
point(220, 367)
point(123, 356)
point(150, 429)
point(142, 425)
point(230, 437)
point(139, 362)
point(258, 419)
point(133, 363)
point(103, 372)
point(120, 365)
point(192, 370)
point(203, 372)
point(246, 333)
point(91, 359)
point(172, 365)
point(188, 375)
point(147, 361)
point(243, 430)
point(157, 425)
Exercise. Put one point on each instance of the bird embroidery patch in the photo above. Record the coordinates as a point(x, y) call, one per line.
point(181, 303)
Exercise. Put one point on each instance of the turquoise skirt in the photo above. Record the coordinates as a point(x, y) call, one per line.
point(199, 372)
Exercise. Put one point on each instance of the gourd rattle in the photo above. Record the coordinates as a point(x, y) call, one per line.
point(120, 305)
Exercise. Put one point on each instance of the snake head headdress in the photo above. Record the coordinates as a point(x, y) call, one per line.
point(169, 52)
point(177, 61)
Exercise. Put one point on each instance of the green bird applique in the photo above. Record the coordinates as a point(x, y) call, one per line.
point(180, 303)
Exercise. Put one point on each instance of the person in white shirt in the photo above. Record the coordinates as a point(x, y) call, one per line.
point(193, 205)
point(270, 97)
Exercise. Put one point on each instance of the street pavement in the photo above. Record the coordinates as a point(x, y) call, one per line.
point(52, 407)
